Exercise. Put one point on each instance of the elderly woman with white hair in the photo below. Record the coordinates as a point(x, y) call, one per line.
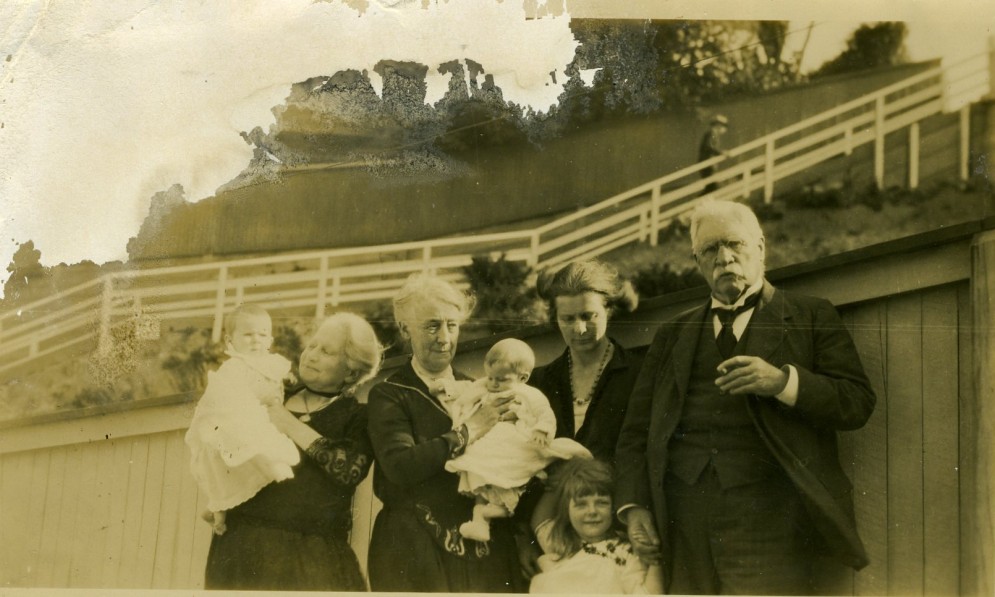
point(416, 543)
point(293, 535)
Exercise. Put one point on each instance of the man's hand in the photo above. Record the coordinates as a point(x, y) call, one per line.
point(750, 375)
point(642, 534)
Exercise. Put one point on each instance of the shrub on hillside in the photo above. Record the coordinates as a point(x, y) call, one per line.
point(381, 316)
point(190, 357)
point(191, 354)
point(766, 212)
point(844, 194)
point(505, 299)
point(659, 278)
point(287, 341)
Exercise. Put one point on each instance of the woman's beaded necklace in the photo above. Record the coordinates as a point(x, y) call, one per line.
point(583, 400)
point(330, 396)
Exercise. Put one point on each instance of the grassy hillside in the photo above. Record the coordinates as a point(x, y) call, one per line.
point(798, 234)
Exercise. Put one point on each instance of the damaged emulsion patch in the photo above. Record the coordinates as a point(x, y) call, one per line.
point(106, 105)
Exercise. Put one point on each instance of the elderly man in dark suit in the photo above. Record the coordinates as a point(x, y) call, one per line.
point(727, 461)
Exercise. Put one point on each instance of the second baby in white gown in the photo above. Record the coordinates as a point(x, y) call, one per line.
point(495, 468)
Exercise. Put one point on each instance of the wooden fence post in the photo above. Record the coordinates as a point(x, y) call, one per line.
point(426, 256)
point(336, 289)
point(319, 309)
point(769, 171)
point(879, 142)
point(104, 339)
point(982, 495)
point(534, 249)
point(219, 304)
point(965, 142)
point(655, 216)
point(914, 156)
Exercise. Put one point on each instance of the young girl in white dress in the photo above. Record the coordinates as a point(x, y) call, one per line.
point(234, 448)
point(583, 552)
point(495, 468)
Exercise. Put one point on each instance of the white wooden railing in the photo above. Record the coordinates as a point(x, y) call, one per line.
point(90, 314)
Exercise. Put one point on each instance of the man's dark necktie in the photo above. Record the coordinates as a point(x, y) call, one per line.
point(726, 340)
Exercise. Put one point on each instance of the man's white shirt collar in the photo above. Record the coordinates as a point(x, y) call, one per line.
point(756, 287)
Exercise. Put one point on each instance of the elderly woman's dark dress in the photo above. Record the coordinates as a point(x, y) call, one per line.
point(416, 545)
point(293, 535)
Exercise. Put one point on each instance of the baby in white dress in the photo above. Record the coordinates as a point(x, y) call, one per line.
point(496, 467)
point(235, 449)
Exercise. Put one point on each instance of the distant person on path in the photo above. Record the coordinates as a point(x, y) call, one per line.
point(727, 463)
point(711, 146)
point(495, 468)
point(293, 535)
point(235, 448)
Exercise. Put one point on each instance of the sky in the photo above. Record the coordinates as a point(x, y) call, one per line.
point(104, 103)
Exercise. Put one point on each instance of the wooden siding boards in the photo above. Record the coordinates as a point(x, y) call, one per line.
point(117, 512)
point(982, 492)
point(941, 532)
point(870, 470)
point(84, 532)
point(55, 480)
point(150, 509)
point(202, 543)
point(175, 458)
point(69, 508)
point(99, 516)
point(36, 514)
point(19, 532)
point(364, 508)
point(905, 504)
point(187, 519)
point(967, 437)
point(135, 494)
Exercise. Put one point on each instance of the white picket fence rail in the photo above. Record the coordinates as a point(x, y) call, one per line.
point(89, 314)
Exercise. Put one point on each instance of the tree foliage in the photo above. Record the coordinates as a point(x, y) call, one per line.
point(505, 300)
point(621, 68)
point(659, 279)
point(26, 273)
point(871, 45)
point(708, 60)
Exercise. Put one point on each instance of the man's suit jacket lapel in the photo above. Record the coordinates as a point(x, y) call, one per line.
point(765, 334)
point(685, 347)
point(768, 325)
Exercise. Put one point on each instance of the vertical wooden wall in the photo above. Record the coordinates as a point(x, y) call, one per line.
point(905, 463)
point(117, 513)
